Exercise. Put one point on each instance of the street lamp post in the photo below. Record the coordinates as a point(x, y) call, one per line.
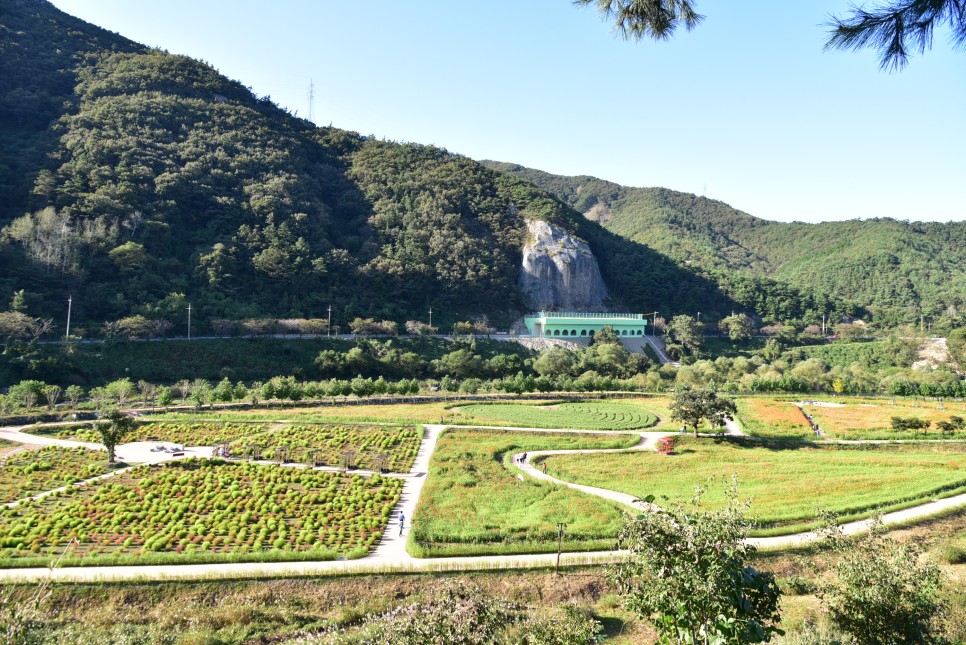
point(561, 527)
point(70, 299)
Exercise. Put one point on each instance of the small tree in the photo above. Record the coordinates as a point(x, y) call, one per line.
point(738, 327)
point(883, 592)
point(163, 395)
point(687, 573)
point(118, 425)
point(685, 331)
point(692, 406)
point(52, 394)
point(74, 394)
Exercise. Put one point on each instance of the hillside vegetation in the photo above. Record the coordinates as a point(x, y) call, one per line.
point(138, 181)
point(897, 270)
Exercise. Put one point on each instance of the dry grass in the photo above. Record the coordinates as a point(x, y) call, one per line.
point(773, 419)
point(872, 420)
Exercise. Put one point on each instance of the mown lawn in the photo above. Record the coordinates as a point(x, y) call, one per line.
point(787, 483)
point(873, 420)
point(473, 503)
point(773, 419)
point(583, 415)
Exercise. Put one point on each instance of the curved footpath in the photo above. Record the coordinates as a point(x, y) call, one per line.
point(390, 554)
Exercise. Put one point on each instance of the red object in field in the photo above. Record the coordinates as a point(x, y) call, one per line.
point(665, 445)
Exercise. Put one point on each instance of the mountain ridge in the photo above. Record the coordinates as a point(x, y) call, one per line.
point(899, 270)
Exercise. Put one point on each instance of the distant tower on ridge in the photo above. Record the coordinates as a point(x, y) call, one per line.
point(311, 101)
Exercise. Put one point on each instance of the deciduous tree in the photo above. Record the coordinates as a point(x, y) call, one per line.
point(693, 406)
point(687, 573)
point(117, 427)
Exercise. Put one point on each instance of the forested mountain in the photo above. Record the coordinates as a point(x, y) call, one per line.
point(897, 270)
point(137, 181)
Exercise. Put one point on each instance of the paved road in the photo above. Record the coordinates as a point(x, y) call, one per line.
point(390, 555)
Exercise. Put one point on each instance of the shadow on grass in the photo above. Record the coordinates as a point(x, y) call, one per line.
point(613, 626)
point(771, 443)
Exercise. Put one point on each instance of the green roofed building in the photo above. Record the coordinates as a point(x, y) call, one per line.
point(569, 324)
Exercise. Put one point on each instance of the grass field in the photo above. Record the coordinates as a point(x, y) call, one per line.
point(773, 419)
point(872, 420)
point(472, 503)
point(787, 484)
point(200, 510)
point(585, 415)
point(30, 472)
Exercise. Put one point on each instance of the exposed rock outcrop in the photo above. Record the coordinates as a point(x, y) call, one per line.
point(560, 272)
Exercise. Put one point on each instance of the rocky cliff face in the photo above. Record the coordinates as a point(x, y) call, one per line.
point(560, 272)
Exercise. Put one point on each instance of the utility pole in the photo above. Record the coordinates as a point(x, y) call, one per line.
point(330, 322)
point(189, 321)
point(561, 527)
point(431, 320)
point(70, 298)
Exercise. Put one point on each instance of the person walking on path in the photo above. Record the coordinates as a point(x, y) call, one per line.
point(402, 522)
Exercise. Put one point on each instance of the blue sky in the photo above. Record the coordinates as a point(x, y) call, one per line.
point(747, 108)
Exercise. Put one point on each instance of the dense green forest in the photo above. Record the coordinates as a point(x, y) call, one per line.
point(895, 270)
point(137, 181)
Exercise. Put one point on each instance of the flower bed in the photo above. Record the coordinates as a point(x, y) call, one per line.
point(30, 472)
point(205, 508)
point(323, 444)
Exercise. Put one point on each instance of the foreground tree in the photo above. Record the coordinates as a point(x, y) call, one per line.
point(118, 426)
point(638, 19)
point(898, 28)
point(687, 574)
point(894, 29)
point(883, 592)
point(693, 406)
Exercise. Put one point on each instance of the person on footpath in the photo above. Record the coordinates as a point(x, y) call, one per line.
point(402, 522)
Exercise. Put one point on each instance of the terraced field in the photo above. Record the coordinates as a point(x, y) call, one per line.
point(585, 415)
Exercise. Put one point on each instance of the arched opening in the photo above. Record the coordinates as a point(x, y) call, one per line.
point(573, 332)
point(640, 332)
point(565, 332)
point(556, 332)
point(583, 332)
